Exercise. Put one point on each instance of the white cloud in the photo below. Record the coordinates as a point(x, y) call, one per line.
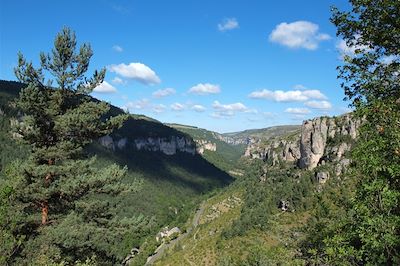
point(228, 110)
point(251, 111)
point(225, 114)
point(136, 71)
point(198, 108)
point(105, 87)
point(297, 110)
point(205, 89)
point(177, 107)
point(230, 107)
point(118, 48)
point(350, 49)
point(299, 34)
point(319, 104)
point(164, 92)
point(228, 24)
point(288, 96)
point(300, 87)
point(139, 104)
point(314, 94)
point(159, 108)
point(118, 80)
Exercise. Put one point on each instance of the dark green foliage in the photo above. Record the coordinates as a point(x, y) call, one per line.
point(10, 150)
point(262, 198)
point(167, 183)
point(365, 230)
point(55, 192)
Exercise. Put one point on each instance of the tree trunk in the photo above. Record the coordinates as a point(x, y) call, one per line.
point(45, 204)
point(45, 212)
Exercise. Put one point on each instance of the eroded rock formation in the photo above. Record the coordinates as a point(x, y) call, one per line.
point(320, 139)
point(168, 146)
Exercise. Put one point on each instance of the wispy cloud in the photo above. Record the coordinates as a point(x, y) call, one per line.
point(164, 92)
point(228, 24)
point(105, 87)
point(297, 110)
point(120, 9)
point(198, 108)
point(288, 96)
point(118, 48)
point(178, 107)
point(205, 89)
point(298, 34)
point(119, 81)
point(227, 110)
point(351, 48)
point(230, 107)
point(138, 105)
point(159, 108)
point(324, 105)
point(136, 71)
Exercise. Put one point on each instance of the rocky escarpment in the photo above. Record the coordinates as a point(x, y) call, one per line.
point(316, 133)
point(205, 145)
point(320, 140)
point(275, 150)
point(167, 145)
point(234, 140)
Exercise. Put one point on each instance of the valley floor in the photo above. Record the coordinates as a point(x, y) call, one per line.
point(205, 244)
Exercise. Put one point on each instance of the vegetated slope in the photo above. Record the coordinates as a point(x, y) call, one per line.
point(214, 146)
point(263, 133)
point(170, 184)
point(268, 216)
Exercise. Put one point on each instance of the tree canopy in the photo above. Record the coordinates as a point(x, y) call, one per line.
point(369, 232)
point(58, 196)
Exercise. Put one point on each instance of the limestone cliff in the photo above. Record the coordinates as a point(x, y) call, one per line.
point(205, 145)
point(167, 145)
point(315, 134)
point(319, 140)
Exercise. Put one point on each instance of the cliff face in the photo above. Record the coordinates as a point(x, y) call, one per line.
point(319, 140)
point(316, 132)
point(233, 140)
point(274, 150)
point(168, 146)
point(205, 145)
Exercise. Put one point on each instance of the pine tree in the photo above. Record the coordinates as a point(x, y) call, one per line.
point(58, 192)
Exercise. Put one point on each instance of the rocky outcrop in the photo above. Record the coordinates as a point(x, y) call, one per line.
point(274, 151)
point(167, 233)
point(205, 145)
point(322, 177)
point(234, 140)
point(168, 146)
point(316, 132)
point(312, 142)
point(319, 140)
point(130, 256)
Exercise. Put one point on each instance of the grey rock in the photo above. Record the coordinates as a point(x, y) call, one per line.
point(283, 205)
point(322, 177)
point(107, 142)
point(168, 146)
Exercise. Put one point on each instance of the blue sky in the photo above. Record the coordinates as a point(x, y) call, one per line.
point(221, 65)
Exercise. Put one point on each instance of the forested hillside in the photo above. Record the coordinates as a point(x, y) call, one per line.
point(168, 187)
